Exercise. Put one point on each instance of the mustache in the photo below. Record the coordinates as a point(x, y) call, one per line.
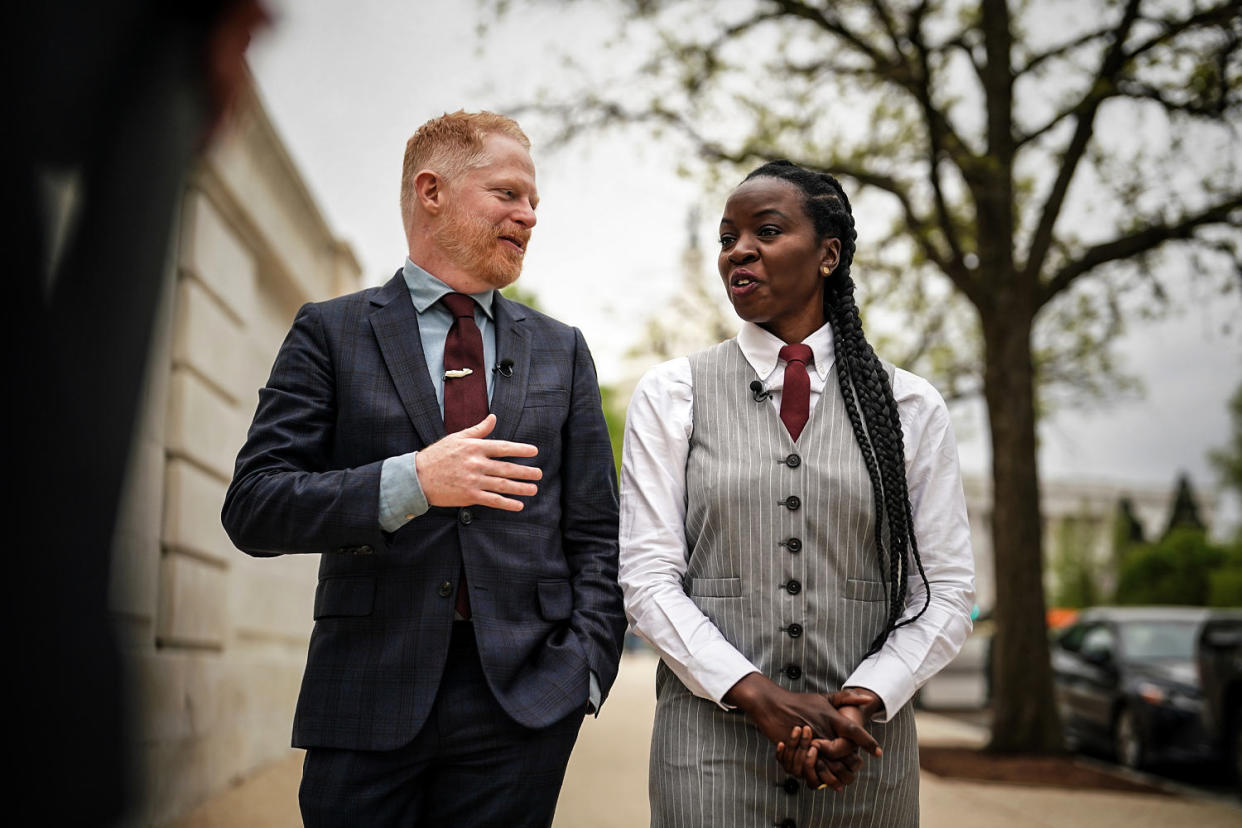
point(516, 232)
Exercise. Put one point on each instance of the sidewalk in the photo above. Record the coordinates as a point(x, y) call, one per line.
point(606, 785)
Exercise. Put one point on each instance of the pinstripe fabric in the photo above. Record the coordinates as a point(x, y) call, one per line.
point(710, 767)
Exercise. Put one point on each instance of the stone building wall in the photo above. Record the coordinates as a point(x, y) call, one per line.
point(214, 640)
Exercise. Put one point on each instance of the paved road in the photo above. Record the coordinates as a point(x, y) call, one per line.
point(606, 785)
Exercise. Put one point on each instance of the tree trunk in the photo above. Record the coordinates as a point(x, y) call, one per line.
point(1024, 714)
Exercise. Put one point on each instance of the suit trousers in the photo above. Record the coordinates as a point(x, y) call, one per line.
point(470, 765)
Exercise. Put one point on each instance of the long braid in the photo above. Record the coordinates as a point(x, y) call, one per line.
point(866, 391)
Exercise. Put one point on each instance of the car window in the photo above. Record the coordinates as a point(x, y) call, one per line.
point(1159, 640)
point(1071, 639)
point(1098, 640)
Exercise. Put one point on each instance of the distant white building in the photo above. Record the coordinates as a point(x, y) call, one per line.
point(1078, 512)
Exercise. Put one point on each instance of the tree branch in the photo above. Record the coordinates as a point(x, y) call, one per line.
point(1139, 242)
point(1084, 113)
point(938, 130)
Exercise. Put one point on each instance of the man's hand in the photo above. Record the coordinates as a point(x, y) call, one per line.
point(462, 470)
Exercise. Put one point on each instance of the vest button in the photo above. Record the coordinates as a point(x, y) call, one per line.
point(788, 823)
point(794, 545)
point(446, 589)
point(791, 785)
point(793, 461)
point(794, 630)
point(793, 503)
point(793, 671)
point(793, 587)
point(465, 517)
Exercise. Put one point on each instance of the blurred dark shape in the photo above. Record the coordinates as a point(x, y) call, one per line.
point(1185, 511)
point(108, 102)
point(1129, 530)
point(1220, 673)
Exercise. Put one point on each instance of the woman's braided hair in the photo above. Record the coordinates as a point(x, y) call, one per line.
point(865, 388)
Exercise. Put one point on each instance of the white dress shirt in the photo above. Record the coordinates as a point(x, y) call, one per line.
point(654, 554)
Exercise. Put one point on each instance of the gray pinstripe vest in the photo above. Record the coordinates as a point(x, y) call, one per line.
point(796, 587)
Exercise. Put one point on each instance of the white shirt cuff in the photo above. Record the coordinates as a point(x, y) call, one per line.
point(889, 679)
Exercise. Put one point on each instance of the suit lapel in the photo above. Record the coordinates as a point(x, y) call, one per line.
point(395, 323)
point(512, 343)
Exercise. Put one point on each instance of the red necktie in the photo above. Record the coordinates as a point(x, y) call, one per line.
point(465, 388)
point(796, 395)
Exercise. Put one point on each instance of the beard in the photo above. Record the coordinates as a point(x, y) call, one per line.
point(472, 243)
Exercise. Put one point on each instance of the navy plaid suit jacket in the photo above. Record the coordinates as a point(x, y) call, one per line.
point(350, 388)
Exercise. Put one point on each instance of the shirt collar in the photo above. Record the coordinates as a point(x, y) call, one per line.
point(426, 289)
point(762, 349)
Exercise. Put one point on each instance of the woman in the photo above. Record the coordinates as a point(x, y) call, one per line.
point(794, 539)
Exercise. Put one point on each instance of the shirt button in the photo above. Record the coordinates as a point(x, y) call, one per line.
point(793, 461)
point(791, 785)
point(465, 517)
point(793, 671)
point(446, 589)
point(794, 545)
point(793, 587)
point(794, 630)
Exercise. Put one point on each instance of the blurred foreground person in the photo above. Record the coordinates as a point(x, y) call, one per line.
point(443, 449)
point(108, 103)
point(794, 539)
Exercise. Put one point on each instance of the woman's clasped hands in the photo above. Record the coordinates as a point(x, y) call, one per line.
point(819, 738)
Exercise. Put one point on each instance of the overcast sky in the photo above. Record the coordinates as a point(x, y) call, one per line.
point(347, 83)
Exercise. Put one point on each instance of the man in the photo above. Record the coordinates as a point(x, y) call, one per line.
point(444, 448)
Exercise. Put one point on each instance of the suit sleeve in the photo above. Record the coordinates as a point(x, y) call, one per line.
point(285, 496)
point(589, 522)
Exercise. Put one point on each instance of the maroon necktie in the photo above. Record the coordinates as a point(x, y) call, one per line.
point(465, 388)
point(796, 395)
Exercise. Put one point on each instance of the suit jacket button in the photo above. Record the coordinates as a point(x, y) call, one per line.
point(793, 587)
point(791, 785)
point(794, 672)
point(446, 589)
point(793, 461)
point(465, 517)
point(794, 630)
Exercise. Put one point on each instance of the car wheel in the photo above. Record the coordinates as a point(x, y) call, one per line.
point(1128, 741)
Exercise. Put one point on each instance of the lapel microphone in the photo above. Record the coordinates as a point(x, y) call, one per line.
point(759, 392)
point(505, 368)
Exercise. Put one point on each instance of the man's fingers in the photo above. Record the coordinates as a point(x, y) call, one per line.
point(510, 471)
point(503, 448)
point(505, 486)
point(480, 429)
point(495, 501)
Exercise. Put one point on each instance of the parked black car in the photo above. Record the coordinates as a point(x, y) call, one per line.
point(1127, 680)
